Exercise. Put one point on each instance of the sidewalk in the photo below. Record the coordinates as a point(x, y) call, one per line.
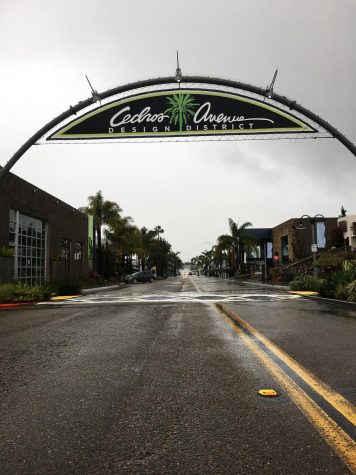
point(95, 290)
point(261, 284)
point(303, 293)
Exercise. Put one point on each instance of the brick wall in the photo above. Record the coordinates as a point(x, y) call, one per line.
point(299, 241)
point(63, 220)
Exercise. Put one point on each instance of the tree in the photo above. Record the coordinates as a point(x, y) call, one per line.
point(174, 262)
point(125, 240)
point(237, 238)
point(205, 259)
point(158, 230)
point(159, 250)
point(146, 237)
point(104, 212)
point(225, 244)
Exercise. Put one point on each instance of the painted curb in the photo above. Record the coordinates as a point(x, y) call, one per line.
point(58, 298)
point(303, 292)
point(345, 303)
point(19, 304)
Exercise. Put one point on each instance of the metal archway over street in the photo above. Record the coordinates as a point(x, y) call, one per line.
point(195, 108)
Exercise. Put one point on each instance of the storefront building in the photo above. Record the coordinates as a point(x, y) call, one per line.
point(48, 239)
point(290, 243)
point(347, 224)
point(256, 251)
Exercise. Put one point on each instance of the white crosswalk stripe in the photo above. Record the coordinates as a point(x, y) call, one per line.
point(176, 297)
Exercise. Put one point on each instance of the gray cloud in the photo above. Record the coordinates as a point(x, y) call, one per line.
point(193, 188)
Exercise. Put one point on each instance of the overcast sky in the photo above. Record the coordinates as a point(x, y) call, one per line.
point(190, 189)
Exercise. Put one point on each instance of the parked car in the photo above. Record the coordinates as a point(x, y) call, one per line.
point(142, 276)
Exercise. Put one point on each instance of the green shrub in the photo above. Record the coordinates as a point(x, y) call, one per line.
point(304, 281)
point(340, 291)
point(349, 265)
point(24, 293)
point(88, 282)
point(7, 251)
point(330, 261)
point(69, 285)
point(6, 293)
point(338, 285)
point(351, 291)
point(335, 284)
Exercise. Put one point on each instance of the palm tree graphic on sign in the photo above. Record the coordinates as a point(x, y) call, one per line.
point(181, 108)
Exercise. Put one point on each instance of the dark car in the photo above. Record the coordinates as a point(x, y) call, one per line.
point(142, 276)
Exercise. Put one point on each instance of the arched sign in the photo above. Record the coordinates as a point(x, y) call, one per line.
point(194, 111)
point(195, 108)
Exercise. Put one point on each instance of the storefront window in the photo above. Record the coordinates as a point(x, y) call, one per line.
point(30, 248)
point(65, 254)
point(284, 248)
point(78, 256)
point(12, 227)
point(78, 251)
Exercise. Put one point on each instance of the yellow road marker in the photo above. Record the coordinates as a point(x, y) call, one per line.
point(341, 442)
point(303, 292)
point(268, 392)
point(63, 297)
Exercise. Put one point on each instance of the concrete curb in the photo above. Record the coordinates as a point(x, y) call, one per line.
point(260, 284)
point(102, 289)
point(344, 303)
point(268, 286)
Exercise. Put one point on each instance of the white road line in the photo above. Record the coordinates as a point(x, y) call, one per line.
point(176, 298)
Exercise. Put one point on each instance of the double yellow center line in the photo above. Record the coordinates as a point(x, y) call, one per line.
point(331, 414)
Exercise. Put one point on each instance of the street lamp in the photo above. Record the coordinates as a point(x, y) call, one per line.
point(318, 218)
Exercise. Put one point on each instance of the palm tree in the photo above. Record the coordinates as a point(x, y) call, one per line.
point(159, 250)
point(125, 239)
point(174, 262)
point(225, 244)
point(206, 260)
point(237, 239)
point(158, 230)
point(146, 237)
point(219, 257)
point(194, 261)
point(181, 107)
point(103, 212)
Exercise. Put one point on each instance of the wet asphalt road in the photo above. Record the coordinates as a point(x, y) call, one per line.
point(120, 383)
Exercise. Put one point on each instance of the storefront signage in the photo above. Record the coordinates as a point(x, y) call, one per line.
point(187, 113)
